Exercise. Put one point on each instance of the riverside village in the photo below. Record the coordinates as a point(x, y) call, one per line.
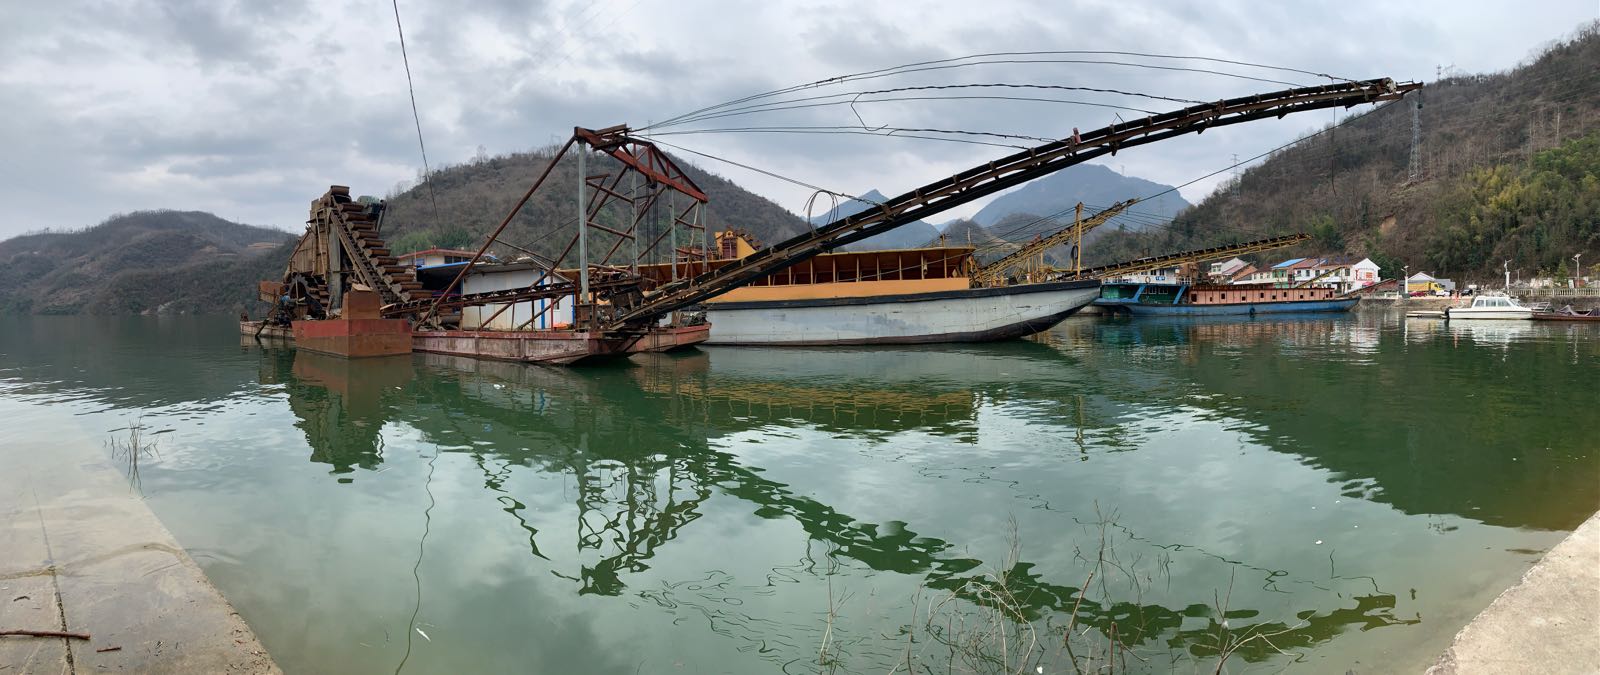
point(624, 336)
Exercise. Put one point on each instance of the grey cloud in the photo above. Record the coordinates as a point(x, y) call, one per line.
point(249, 108)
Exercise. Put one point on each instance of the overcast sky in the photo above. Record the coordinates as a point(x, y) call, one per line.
point(251, 109)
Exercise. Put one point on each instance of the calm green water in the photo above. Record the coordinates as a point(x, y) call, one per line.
point(1354, 488)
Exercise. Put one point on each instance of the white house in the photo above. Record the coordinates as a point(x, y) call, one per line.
point(540, 314)
point(1363, 273)
point(1347, 274)
point(1165, 275)
point(1227, 268)
point(1255, 276)
point(436, 256)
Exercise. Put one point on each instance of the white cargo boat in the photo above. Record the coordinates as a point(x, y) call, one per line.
point(966, 315)
point(902, 296)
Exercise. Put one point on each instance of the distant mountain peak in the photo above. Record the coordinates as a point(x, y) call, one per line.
point(909, 235)
point(1094, 184)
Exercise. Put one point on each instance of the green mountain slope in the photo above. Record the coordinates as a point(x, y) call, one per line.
point(473, 198)
point(149, 261)
point(1507, 173)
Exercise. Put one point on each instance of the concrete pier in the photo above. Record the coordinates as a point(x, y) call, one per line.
point(1547, 623)
point(81, 552)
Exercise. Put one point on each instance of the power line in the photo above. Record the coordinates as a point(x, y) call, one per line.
point(427, 173)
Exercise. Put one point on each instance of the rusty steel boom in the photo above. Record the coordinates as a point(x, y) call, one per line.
point(1000, 174)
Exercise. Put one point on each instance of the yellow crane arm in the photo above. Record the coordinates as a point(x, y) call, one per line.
point(1197, 255)
point(994, 273)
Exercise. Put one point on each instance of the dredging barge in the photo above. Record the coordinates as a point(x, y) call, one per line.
point(341, 267)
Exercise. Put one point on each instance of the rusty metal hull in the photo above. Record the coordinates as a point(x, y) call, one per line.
point(354, 338)
point(671, 339)
point(554, 347)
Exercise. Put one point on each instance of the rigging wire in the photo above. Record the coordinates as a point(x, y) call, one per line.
point(783, 130)
point(1111, 53)
point(1230, 167)
point(766, 107)
point(767, 173)
point(427, 174)
point(942, 64)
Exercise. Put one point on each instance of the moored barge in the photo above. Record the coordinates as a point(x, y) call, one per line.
point(1155, 299)
point(901, 296)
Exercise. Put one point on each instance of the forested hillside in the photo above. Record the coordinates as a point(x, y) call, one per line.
point(474, 197)
point(1509, 165)
point(149, 261)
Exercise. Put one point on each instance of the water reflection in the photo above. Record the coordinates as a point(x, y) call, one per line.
point(703, 498)
point(1458, 422)
point(642, 445)
point(341, 404)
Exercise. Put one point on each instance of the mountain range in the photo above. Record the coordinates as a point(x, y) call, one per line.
point(1094, 185)
point(142, 262)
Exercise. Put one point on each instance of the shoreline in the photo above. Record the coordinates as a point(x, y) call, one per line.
point(1548, 622)
point(81, 552)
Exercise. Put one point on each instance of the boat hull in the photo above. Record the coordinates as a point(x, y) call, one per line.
point(556, 347)
point(1232, 309)
point(255, 329)
point(966, 315)
point(1465, 313)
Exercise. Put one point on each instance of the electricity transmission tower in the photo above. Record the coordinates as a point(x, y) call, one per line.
point(1236, 177)
point(1416, 140)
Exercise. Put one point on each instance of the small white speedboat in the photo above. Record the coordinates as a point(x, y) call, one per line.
point(1491, 307)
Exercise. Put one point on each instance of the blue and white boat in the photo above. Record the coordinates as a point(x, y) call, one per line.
point(1144, 299)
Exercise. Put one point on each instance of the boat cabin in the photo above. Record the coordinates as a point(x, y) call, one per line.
point(1495, 302)
point(833, 275)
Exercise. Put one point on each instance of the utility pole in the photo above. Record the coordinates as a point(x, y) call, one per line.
point(1507, 267)
point(583, 246)
point(1577, 269)
point(1077, 246)
point(672, 228)
point(1404, 287)
point(633, 227)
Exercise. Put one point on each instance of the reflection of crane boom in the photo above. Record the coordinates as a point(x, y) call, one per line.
point(1197, 255)
point(994, 273)
point(998, 175)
